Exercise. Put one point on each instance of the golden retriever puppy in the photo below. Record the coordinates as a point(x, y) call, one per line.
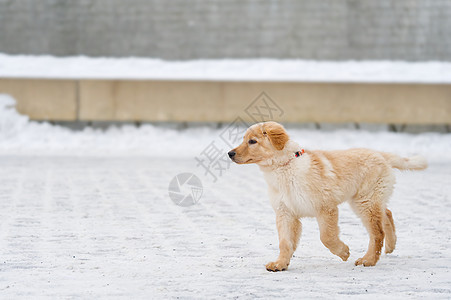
point(313, 183)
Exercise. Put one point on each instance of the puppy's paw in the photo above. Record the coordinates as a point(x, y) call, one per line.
point(389, 249)
point(276, 266)
point(366, 261)
point(344, 255)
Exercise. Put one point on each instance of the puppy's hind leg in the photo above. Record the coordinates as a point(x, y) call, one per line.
point(371, 213)
point(289, 229)
point(328, 226)
point(390, 233)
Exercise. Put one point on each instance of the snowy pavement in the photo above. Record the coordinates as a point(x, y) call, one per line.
point(87, 214)
point(90, 227)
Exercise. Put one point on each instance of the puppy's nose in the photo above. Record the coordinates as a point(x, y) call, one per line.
point(231, 154)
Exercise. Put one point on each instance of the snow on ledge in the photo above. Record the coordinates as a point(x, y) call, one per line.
point(21, 136)
point(81, 67)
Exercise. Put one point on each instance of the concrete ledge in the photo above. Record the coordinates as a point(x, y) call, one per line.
point(223, 101)
point(104, 100)
point(43, 99)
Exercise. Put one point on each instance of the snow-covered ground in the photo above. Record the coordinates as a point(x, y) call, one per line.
point(86, 214)
point(224, 69)
point(83, 227)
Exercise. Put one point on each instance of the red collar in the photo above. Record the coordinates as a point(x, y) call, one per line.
point(299, 153)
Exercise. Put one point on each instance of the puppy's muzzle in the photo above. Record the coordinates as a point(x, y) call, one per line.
point(232, 154)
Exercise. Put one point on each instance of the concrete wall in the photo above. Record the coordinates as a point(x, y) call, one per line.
point(191, 29)
point(127, 100)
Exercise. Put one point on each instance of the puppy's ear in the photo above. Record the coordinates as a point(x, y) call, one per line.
point(276, 134)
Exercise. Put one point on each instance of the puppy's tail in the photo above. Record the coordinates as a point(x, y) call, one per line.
point(411, 163)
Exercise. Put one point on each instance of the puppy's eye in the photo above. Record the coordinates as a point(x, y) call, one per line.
point(252, 142)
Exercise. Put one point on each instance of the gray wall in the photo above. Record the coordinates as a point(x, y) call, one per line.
point(191, 29)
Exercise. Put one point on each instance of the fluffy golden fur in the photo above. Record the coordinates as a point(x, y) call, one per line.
point(314, 184)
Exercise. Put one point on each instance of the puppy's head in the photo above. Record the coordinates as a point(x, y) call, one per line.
point(261, 143)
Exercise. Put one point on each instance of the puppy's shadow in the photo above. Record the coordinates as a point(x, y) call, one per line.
point(319, 265)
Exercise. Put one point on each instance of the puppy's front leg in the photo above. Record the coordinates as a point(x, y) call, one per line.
point(289, 229)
